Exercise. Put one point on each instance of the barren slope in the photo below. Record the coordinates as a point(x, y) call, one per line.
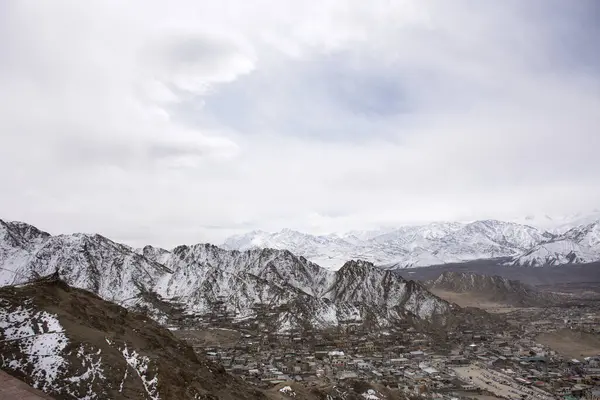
point(71, 344)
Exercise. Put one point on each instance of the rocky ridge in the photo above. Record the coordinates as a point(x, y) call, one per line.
point(199, 279)
point(491, 288)
point(576, 246)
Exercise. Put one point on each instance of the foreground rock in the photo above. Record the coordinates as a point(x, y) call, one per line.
point(70, 344)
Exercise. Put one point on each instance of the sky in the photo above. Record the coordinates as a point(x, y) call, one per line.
point(188, 121)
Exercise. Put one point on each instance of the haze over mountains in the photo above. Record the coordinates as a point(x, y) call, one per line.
point(516, 244)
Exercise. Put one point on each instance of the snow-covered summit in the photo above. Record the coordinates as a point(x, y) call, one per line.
point(409, 246)
point(577, 245)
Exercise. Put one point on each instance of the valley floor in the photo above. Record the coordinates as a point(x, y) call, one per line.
point(531, 355)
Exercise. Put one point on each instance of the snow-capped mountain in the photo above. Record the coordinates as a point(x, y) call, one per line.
point(577, 245)
point(411, 246)
point(203, 274)
point(327, 251)
point(113, 271)
point(362, 282)
point(71, 344)
point(194, 279)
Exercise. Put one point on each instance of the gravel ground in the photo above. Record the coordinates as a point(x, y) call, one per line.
point(498, 384)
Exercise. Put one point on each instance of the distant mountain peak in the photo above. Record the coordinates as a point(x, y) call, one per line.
point(405, 247)
point(580, 244)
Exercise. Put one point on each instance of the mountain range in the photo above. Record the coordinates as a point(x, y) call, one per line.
point(511, 243)
point(71, 344)
point(575, 246)
point(203, 280)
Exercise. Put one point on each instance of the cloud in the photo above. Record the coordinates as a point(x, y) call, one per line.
point(187, 123)
point(193, 62)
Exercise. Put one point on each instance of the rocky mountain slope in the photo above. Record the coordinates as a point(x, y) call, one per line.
point(490, 288)
point(92, 262)
point(204, 280)
point(71, 344)
point(436, 244)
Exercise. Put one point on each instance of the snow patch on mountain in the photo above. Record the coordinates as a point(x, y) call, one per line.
point(141, 365)
point(93, 371)
point(40, 339)
point(72, 344)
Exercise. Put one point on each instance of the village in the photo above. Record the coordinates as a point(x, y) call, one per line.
point(467, 363)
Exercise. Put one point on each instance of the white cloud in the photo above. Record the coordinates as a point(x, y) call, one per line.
point(187, 122)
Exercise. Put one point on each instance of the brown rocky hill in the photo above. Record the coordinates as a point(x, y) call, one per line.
point(491, 288)
point(70, 344)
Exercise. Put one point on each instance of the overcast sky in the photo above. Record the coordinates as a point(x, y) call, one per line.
point(187, 121)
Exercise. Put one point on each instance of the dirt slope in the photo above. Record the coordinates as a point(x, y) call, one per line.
point(72, 344)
